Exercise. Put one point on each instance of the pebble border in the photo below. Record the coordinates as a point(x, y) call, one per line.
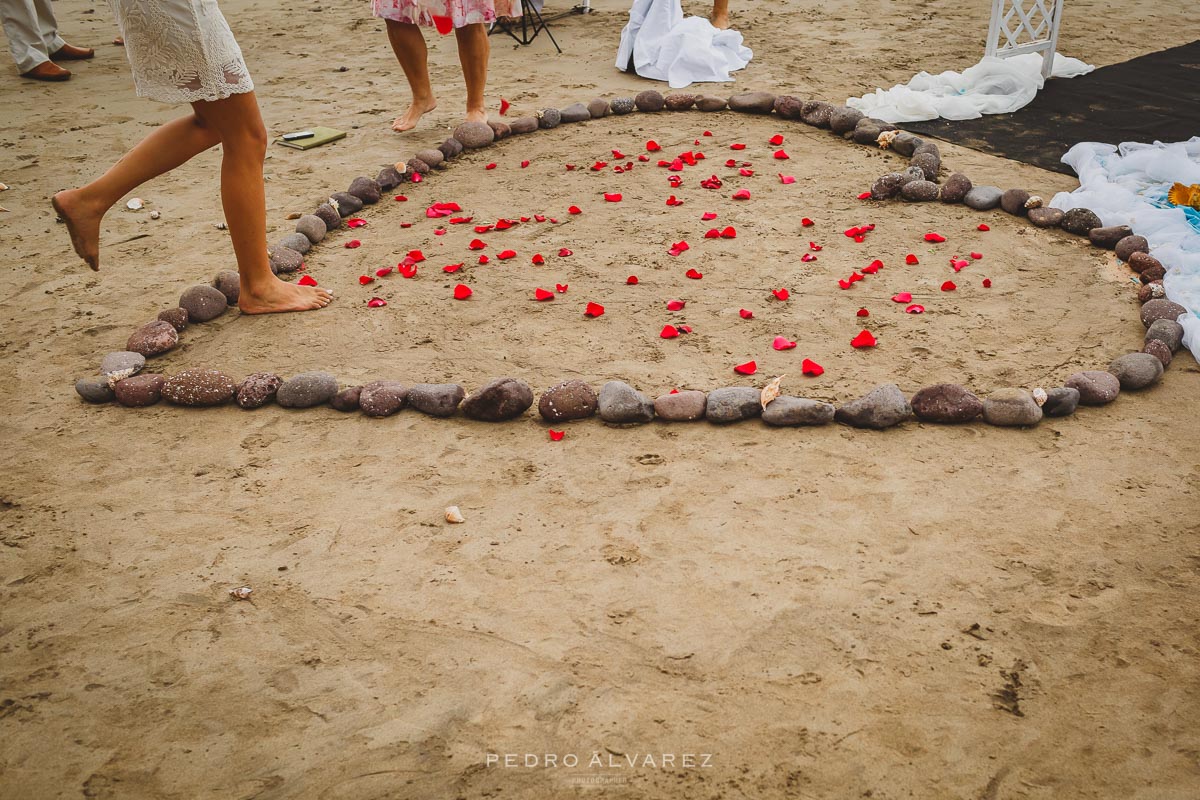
point(617, 403)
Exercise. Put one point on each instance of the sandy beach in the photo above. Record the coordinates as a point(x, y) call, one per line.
point(923, 612)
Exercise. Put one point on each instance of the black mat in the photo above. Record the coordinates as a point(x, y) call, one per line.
point(1153, 97)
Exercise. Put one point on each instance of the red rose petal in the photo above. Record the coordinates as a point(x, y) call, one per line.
point(983, 227)
point(560, 287)
point(869, 269)
point(593, 310)
point(781, 294)
point(729, 232)
point(416, 178)
point(844, 284)
point(376, 302)
point(694, 275)
point(614, 197)
point(440, 232)
point(643, 158)
point(781, 155)
point(400, 198)
point(674, 201)
point(382, 271)
point(540, 294)
point(862, 312)
point(745, 314)
point(574, 210)
point(707, 216)
point(307, 280)
point(452, 268)
point(749, 368)
point(737, 146)
point(808, 257)
point(903, 297)
point(538, 259)
point(355, 222)
point(783, 343)
point(570, 167)
point(679, 247)
point(483, 259)
point(617, 154)
point(363, 280)
point(669, 332)
point(353, 243)
point(860, 239)
point(915, 309)
point(524, 164)
point(416, 256)
point(653, 146)
point(405, 224)
point(959, 264)
point(556, 436)
point(707, 133)
point(811, 368)
point(741, 194)
point(816, 248)
point(864, 196)
point(504, 224)
point(504, 106)
point(675, 181)
point(462, 292)
point(746, 173)
point(631, 280)
point(505, 255)
point(675, 305)
point(407, 270)
point(787, 180)
point(976, 256)
point(712, 233)
point(564, 252)
point(539, 217)
point(599, 165)
point(936, 238)
point(776, 140)
point(807, 223)
point(864, 339)
point(948, 286)
point(987, 283)
point(731, 162)
point(491, 166)
point(911, 259)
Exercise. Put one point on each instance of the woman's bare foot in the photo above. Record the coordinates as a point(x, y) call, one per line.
point(721, 21)
point(412, 116)
point(277, 296)
point(476, 115)
point(83, 223)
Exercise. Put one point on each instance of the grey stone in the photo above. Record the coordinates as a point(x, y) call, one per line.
point(1061, 401)
point(926, 147)
point(929, 163)
point(436, 399)
point(685, 406)
point(417, 166)
point(1128, 245)
point(787, 411)
point(1046, 217)
point(955, 188)
point(306, 390)
point(598, 108)
point(866, 134)
point(474, 135)
point(1155, 310)
point(365, 189)
point(708, 102)
point(816, 113)
point(1011, 408)
point(122, 364)
point(621, 404)
point(649, 100)
point(568, 400)
point(733, 404)
point(258, 389)
point(1095, 388)
point(382, 398)
point(522, 125)
point(1108, 237)
point(1136, 370)
point(229, 283)
point(431, 156)
point(920, 191)
point(621, 105)
point(178, 317)
point(1013, 201)
point(887, 186)
point(329, 215)
point(882, 407)
point(906, 144)
point(311, 227)
point(679, 101)
point(154, 338)
point(502, 129)
point(139, 391)
point(388, 179)
point(576, 112)
point(549, 118)
point(498, 400)
point(1159, 350)
point(911, 174)
point(346, 400)
point(347, 204)
point(752, 102)
point(199, 387)
point(946, 403)
point(983, 198)
point(203, 303)
point(1079, 221)
point(786, 107)
point(1167, 331)
point(843, 119)
point(95, 389)
point(283, 259)
point(452, 148)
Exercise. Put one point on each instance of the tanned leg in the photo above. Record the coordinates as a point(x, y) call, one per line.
point(409, 46)
point(473, 51)
point(720, 14)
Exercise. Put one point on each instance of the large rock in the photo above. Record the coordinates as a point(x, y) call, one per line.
point(685, 406)
point(1095, 388)
point(816, 113)
point(866, 132)
point(549, 118)
point(788, 411)
point(432, 156)
point(679, 101)
point(752, 102)
point(786, 106)
point(389, 177)
point(474, 135)
point(1139, 262)
point(920, 191)
point(955, 189)
point(306, 390)
point(649, 100)
point(930, 164)
point(1153, 290)
point(347, 204)
point(123, 363)
point(1061, 401)
point(154, 338)
point(178, 317)
point(843, 119)
point(1046, 217)
point(284, 260)
point(621, 105)
point(1160, 351)
point(203, 303)
point(621, 404)
point(502, 130)
point(906, 144)
point(436, 399)
point(733, 404)
point(1151, 311)
point(1126, 246)
point(295, 241)
point(1013, 201)
point(598, 108)
point(887, 186)
point(983, 198)
point(946, 403)
point(419, 167)
point(346, 400)
point(568, 400)
point(199, 387)
point(258, 389)
point(522, 125)
point(1152, 274)
point(1011, 408)
point(382, 398)
point(139, 391)
point(1108, 237)
point(365, 189)
point(452, 148)
point(229, 283)
point(499, 400)
point(708, 102)
point(329, 215)
point(1079, 221)
point(95, 389)
point(1136, 370)
point(882, 407)
point(1167, 331)
point(576, 112)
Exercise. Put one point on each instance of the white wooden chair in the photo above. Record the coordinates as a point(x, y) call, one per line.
point(1025, 26)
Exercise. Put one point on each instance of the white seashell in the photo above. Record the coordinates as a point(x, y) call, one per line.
point(121, 375)
point(336, 206)
point(241, 593)
point(885, 139)
point(401, 167)
point(221, 226)
point(154, 215)
point(135, 204)
point(1039, 396)
point(3, 187)
point(454, 515)
point(771, 391)
point(1034, 202)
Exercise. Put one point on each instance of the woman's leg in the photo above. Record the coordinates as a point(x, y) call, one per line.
point(473, 51)
point(720, 14)
point(238, 123)
point(165, 148)
point(409, 46)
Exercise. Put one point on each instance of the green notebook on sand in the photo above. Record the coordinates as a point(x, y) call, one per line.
point(319, 137)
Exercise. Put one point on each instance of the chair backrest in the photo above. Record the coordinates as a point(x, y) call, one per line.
point(1025, 26)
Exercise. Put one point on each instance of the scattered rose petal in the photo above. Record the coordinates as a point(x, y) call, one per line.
point(729, 232)
point(787, 180)
point(746, 173)
point(864, 196)
point(679, 247)
point(631, 280)
point(741, 194)
point(694, 275)
point(862, 312)
point(483, 259)
point(539, 217)
point(675, 181)
point(382, 271)
point(593, 310)
point(613, 197)
point(903, 297)
point(462, 292)
point(707, 133)
point(707, 216)
point(669, 332)
point(617, 153)
point(460, 220)
point(505, 255)
point(948, 286)
point(731, 162)
point(363, 280)
point(416, 178)
point(983, 227)
point(816, 248)
point(653, 146)
point(599, 165)
point(504, 106)
point(936, 238)
point(540, 294)
point(811, 368)
point(783, 343)
point(355, 222)
point(538, 259)
point(911, 259)
point(440, 232)
point(416, 256)
point(844, 284)
point(407, 270)
point(491, 166)
point(674, 201)
point(958, 264)
point(745, 314)
point(574, 210)
point(405, 224)
point(376, 302)
point(864, 339)
point(872, 268)
point(504, 224)
point(352, 244)
point(675, 305)
point(807, 223)
point(976, 256)
point(556, 436)
point(712, 233)
point(400, 198)
point(987, 283)
point(643, 158)
point(524, 164)
point(560, 287)
point(481, 229)
point(781, 294)
point(564, 252)
point(915, 309)
point(808, 257)
point(737, 146)
point(452, 268)
point(781, 155)
point(749, 368)
point(776, 140)
point(307, 280)
point(570, 167)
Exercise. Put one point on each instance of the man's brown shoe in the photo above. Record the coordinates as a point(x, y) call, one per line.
point(69, 52)
point(47, 71)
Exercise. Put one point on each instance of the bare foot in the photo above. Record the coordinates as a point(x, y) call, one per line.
point(412, 116)
point(279, 296)
point(721, 21)
point(83, 223)
point(476, 115)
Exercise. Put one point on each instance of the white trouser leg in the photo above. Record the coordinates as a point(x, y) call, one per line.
point(49, 26)
point(27, 34)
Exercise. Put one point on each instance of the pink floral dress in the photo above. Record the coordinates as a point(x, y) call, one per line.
point(460, 12)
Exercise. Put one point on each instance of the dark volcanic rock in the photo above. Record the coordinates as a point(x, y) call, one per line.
point(417, 166)
point(295, 241)
point(436, 399)
point(1151, 311)
point(95, 389)
point(347, 204)
point(1013, 201)
point(733, 404)
point(365, 189)
point(1136, 370)
point(382, 398)
point(1160, 351)
point(178, 317)
point(502, 130)
point(498, 400)
point(679, 102)
point(124, 363)
point(203, 303)
point(229, 283)
point(598, 108)
point(649, 100)
point(1167, 331)
point(1079, 221)
point(887, 186)
point(1095, 388)
point(955, 188)
point(1109, 236)
point(199, 387)
point(946, 403)
point(576, 112)
point(787, 411)
point(568, 400)
point(708, 102)
point(929, 163)
point(258, 389)
point(920, 191)
point(311, 227)
point(1046, 217)
point(329, 216)
point(866, 133)
point(432, 156)
point(752, 102)
point(388, 179)
point(1152, 290)
point(1128, 245)
point(473, 135)
point(983, 198)
point(522, 125)
point(843, 119)
point(1139, 262)
point(1061, 402)
point(283, 260)
point(452, 148)
point(549, 118)
point(880, 408)
point(816, 113)
point(786, 106)
point(154, 338)
point(1011, 408)
point(346, 400)
point(621, 105)
point(621, 404)
point(139, 391)
point(906, 144)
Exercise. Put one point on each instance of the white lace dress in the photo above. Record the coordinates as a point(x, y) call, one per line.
point(181, 51)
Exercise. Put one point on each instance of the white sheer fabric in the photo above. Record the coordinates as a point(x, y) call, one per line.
point(664, 46)
point(181, 51)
